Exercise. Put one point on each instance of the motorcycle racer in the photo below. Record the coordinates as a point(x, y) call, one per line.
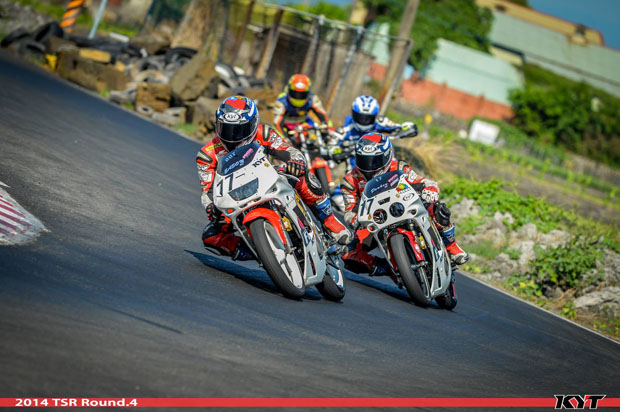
point(293, 107)
point(237, 124)
point(374, 156)
point(364, 118)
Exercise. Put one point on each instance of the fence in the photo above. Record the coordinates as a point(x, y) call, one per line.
point(275, 41)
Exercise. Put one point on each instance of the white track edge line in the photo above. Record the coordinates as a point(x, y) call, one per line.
point(538, 307)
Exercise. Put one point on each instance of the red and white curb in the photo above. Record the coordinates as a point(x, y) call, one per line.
point(17, 225)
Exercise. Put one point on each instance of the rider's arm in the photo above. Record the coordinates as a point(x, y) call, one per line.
point(429, 189)
point(275, 145)
point(318, 109)
point(385, 125)
point(206, 164)
point(351, 199)
point(279, 113)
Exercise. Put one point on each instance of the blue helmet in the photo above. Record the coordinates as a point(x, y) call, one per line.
point(365, 111)
point(373, 154)
point(236, 121)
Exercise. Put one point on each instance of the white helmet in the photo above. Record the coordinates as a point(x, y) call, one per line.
point(364, 113)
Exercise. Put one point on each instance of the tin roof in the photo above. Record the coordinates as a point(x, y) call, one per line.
point(596, 65)
point(473, 72)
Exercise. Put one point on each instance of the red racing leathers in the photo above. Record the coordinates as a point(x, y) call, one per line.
point(353, 184)
point(308, 187)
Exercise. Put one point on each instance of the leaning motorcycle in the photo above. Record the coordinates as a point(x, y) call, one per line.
point(268, 214)
point(397, 218)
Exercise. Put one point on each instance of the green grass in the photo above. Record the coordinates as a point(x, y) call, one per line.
point(484, 249)
point(186, 128)
point(469, 225)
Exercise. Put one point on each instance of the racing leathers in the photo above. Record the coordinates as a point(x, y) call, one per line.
point(288, 116)
point(220, 237)
point(357, 258)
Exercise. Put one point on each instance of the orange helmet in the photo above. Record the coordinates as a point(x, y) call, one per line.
point(298, 89)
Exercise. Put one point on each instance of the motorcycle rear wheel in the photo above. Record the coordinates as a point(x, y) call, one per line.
point(281, 267)
point(414, 280)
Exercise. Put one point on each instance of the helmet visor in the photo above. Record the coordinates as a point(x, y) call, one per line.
point(372, 164)
point(297, 95)
point(233, 135)
point(364, 119)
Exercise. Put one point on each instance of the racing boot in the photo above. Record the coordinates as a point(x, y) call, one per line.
point(382, 268)
point(458, 255)
point(242, 253)
point(331, 224)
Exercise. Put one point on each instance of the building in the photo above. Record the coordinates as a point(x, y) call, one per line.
point(520, 34)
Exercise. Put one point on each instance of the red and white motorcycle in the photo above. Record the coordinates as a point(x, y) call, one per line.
point(395, 215)
point(276, 225)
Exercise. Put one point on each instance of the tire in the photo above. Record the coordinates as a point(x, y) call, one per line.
point(329, 289)
point(268, 244)
point(176, 53)
point(48, 30)
point(447, 300)
point(13, 36)
point(321, 174)
point(414, 280)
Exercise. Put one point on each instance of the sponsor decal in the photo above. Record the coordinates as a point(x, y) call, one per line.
point(400, 187)
point(407, 197)
point(232, 166)
point(232, 117)
point(205, 176)
point(203, 168)
point(391, 179)
point(247, 153)
point(277, 143)
point(259, 161)
point(577, 401)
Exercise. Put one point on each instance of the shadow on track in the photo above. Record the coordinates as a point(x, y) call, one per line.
point(257, 278)
point(389, 289)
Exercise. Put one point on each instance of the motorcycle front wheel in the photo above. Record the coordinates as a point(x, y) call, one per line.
point(415, 280)
point(448, 299)
point(282, 267)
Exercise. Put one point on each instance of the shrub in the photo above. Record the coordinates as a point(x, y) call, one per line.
point(579, 117)
point(566, 266)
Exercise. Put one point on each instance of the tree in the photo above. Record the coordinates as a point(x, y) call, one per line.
point(460, 21)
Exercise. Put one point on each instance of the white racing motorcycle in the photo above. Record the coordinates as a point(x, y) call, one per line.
point(276, 225)
point(395, 215)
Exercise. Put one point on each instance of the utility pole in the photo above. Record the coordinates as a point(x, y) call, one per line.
point(398, 53)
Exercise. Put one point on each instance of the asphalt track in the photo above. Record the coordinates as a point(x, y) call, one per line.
point(120, 299)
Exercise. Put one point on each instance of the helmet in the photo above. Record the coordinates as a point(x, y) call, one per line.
point(373, 154)
point(236, 121)
point(365, 111)
point(298, 90)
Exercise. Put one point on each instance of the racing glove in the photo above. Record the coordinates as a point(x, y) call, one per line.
point(212, 212)
point(296, 167)
point(429, 194)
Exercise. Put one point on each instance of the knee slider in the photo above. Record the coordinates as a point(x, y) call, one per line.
point(313, 184)
point(442, 213)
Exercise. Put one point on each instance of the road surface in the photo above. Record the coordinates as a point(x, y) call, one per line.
point(119, 298)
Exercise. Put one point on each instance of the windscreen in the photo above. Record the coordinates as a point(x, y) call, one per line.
point(382, 183)
point(237, 159)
